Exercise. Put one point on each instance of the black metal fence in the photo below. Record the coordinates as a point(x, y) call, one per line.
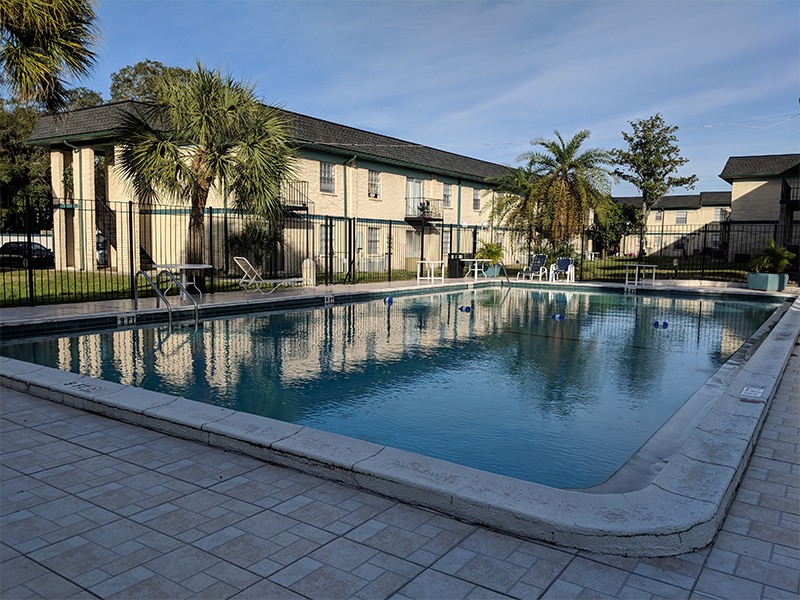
point(72, 251)
point(718, 251)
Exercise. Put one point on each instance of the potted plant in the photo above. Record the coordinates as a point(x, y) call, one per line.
point(492, 252)
point(767, 268)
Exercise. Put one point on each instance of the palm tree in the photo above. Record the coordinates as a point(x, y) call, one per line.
point(516, 206)
point(207, 131)
point(45, 42)
point(566, 184)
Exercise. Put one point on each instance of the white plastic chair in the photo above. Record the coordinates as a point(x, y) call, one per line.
point(535, 269)
point(563, 266)
point(251, 281)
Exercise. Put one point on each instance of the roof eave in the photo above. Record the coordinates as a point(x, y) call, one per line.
point(394, 161)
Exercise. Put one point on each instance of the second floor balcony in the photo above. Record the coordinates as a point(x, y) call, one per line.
point(423, 210)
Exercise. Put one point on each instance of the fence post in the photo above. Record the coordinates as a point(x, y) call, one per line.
point(29, 251)
point(211, 247)
point(353, 251)
point(474, 241)
point(390, 251)
point(703, 251)
point(225, 235)
point(130, 250)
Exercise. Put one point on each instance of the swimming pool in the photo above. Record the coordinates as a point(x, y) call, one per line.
point(504, 387)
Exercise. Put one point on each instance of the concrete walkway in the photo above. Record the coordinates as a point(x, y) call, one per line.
point(96, 508)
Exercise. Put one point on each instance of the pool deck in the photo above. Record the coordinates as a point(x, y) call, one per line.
point(95, 507)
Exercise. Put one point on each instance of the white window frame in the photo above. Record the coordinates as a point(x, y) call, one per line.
point(327, 178)
point(373, 241)
point(715, 241)
point(658, 215)
point(323, 238)
point(374, 185)
point(681, 217)
point(476, 199)
point(447, 196)
point(719, 215)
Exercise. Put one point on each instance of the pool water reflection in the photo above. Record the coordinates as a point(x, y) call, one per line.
point(504, 387)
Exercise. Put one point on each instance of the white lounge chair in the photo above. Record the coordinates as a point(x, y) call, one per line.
point(535, 269)
point(252, 281)
point(563, 266)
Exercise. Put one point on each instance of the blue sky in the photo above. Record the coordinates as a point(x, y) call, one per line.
point(484, 78)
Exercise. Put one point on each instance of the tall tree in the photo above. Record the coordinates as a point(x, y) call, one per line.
point(516, 206)
point(209, 131)
point(81, 97)
point(45, 43)
point(24, 170)
point(567, 183)
point(651, 163)
point(139, 81)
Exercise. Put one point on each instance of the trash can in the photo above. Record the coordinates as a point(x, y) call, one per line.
point(455, 268)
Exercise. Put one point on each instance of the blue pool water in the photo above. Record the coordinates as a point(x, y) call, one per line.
point(505, 387)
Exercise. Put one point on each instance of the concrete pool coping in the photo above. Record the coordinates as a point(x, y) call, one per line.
point(679, 511)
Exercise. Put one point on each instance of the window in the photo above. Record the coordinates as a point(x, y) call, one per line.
point(447, 196)
point(446, 242)
point(715, 241)
point(374, 184)
point(680, 217)
point(656, 241)
point(476, 199)
point(658, 215)
point(720, 214)
point(680, 243)
point(373, 241)
point(327, 178)
point(415, 200)
point(325, 239)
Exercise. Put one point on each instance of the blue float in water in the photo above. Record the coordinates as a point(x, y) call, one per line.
point(656, 324)
point(464, 308)
point(388, 300)
point(558, 317)
point(662, 324)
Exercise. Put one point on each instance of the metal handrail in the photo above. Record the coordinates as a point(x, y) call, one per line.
point(502, 264)
point(183, 291)
point(159, 294)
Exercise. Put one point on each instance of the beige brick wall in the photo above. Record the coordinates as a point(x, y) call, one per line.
point(756, 200)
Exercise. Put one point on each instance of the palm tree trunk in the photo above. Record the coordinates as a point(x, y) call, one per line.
point(194, 248)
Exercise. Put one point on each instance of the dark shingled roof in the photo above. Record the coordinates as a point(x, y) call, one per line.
point(688, 201)
point(97, 124)
point(774, 165)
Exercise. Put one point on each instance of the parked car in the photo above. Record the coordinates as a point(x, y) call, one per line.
point(15, 255)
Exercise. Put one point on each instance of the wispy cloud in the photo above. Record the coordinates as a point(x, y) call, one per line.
point(482, 78)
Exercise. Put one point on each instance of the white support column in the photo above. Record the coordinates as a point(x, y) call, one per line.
point(63, 231)
point(83, 166)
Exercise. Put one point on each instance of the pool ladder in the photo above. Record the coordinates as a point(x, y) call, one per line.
point(160, 295)
point(500, 262)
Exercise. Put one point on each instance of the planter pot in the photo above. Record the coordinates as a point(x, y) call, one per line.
point(770, 282)
point(492, 271)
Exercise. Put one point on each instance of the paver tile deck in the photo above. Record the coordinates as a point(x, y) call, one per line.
point(90, 507)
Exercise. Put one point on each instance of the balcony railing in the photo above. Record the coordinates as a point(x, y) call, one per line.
point(423, 209)
point(294, 194)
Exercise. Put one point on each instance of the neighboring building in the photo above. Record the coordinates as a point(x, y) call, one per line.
point(674, 222)
point(342, 172)
point(766, 190)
